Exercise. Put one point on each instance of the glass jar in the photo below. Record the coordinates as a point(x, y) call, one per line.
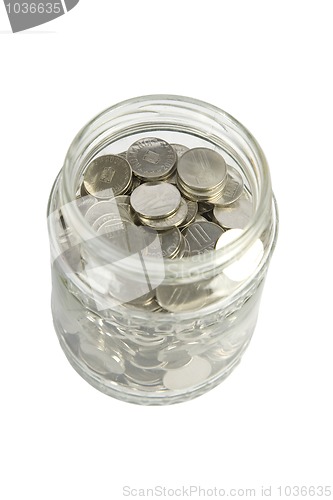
point(142, 353)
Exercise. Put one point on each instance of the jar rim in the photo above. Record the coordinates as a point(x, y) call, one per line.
point(222, 257)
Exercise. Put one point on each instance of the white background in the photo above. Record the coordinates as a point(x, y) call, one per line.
point(269, 64)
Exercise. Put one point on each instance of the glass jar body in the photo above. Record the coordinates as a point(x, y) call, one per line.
point(147, 355)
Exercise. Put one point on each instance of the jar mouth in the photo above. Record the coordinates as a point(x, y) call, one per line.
point(179, 113)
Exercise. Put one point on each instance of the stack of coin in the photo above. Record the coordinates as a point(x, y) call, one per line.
point(202, 174)
point(237, 215)
point(151, 202)
point(188, 196)
point(171, 244)
point(159, 205)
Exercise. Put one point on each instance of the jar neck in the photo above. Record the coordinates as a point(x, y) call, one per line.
point(155, 114)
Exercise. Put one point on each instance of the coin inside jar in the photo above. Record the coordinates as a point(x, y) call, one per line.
point(180, 149)
point(151, 158)
point(195, 372)
point(107, 176)
point(232, 190)
point(101, 359)
point(117, 208)
point(202, 236)
point(191, 213)
point(174, 220)
point(85, 202)
point(165, 243)
point(155, 200)
point(199, 195)
point(170, 242)
point(234, 216)
point(127, 238)
point(214, 198)
point(182, 297)
point(202, 169)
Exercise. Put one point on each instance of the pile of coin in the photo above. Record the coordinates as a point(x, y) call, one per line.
point(160, 200)
point(190, 197)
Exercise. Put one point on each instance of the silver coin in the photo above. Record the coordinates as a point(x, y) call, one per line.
point(126, 237)
point(194, 373)
point(121, 200)
point(199, 196)
point(182, 297)
point(178, 362)
point(110, 209)
point(170, 242)
point(155, 200)
point(115, 230)
point(232, 190)
point(101, 359)
point(135, 183)
point(202, 169)
point(235, 216)
point(85, 202)
point(151, 158)
point(172, 179)
point(174, 357)
point(180, 149)
point(153, 241)
point(202, 236)
point(147, 360)
point(129, 292)
point(169, 222)
point(83, 191)
point(123, 154)
point(125, 347)
point(107, 176)
point(191, 213)
point(184, 249)
point(125, 209)
point(144, 377)
point(144, 300)
point(105, 225)
point(153, 306)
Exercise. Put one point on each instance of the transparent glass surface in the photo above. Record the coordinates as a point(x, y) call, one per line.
point(110, 326)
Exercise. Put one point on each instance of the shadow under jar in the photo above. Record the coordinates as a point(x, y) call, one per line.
point(108, 295)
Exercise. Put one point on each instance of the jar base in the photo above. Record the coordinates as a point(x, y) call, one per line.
point(140, 397)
